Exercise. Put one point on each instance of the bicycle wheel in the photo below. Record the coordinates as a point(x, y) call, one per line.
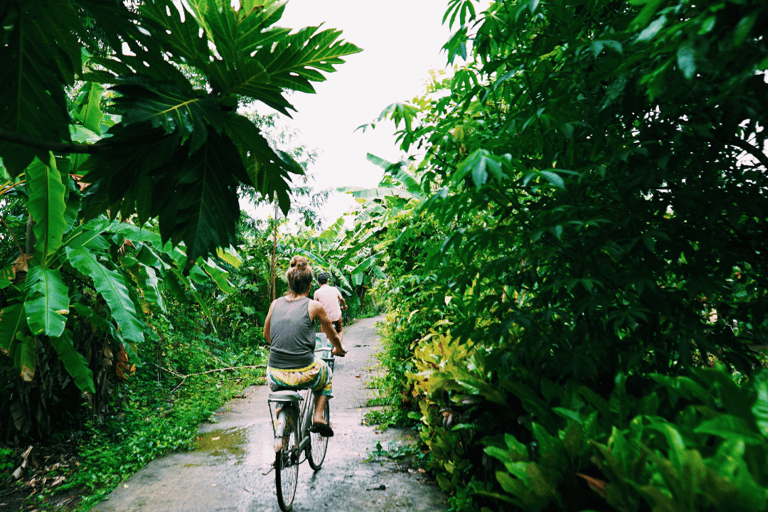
point(287, 467)
point(318, 444)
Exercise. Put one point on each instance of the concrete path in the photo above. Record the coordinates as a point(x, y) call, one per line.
point(231, 468)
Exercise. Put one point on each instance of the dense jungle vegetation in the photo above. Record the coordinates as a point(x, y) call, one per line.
point(577, 286)
point(571, 256)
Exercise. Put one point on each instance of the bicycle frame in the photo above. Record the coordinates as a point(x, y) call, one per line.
point(291, 423)
point(298, 401)
point(291, 405)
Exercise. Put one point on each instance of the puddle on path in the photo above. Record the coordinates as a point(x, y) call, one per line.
point(230, 443)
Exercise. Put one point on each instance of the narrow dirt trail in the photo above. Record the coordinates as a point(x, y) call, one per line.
point(227, 470)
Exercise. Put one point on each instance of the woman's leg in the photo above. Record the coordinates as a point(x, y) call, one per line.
point(321, 401)
point(322, 389)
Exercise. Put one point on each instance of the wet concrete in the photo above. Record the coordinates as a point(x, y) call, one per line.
point(231, 467)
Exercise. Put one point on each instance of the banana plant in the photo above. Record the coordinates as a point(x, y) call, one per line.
point(85, 268)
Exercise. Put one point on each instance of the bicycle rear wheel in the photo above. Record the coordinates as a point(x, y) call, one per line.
point(287, 466)
point(318, 444)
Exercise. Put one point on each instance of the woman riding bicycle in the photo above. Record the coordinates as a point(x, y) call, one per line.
point(290, 330)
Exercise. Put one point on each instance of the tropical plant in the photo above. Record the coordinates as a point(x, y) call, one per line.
point(595, 208)
point(691, 443)
point(176, 152)
point(83, 302)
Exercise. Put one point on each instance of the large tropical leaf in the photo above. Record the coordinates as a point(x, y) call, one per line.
point(408, 181)
point(12, 322)
point(150, 285)
point(89, 112)
point(136, 234)
point(175, 108)
point(209, 208)
point(230, 255)
point(129, 176)
point(47, 205)
point(84, 238)
point(47, 302)
point(260, 62)
point(25, 359)
point(74, 362)
point(218, 275)
point(365, 264)
point(334, 231)
point(267, 171)
point(40, 56)
point(113, 288)
point(136, 50)
point(114, 20)
point(296, 60)
point(181, 37)
point(241, 31)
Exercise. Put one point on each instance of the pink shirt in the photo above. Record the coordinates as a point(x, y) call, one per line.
point(329, 296)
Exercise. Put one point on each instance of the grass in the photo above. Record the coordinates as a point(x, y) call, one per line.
point(156, 415)
point(146, 431)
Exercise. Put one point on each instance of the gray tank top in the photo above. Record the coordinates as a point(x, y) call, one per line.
point(292, 333)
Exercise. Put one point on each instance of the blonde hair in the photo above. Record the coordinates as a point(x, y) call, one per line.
point(299, 275)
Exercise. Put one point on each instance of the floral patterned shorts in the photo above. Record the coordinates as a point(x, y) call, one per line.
point(316, 377)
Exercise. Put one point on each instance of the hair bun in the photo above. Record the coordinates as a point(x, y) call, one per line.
point(299, 275)
point(299, 262)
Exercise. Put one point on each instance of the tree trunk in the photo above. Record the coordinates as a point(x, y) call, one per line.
point(274, 253)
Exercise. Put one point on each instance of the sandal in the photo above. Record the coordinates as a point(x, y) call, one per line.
point(322, 429)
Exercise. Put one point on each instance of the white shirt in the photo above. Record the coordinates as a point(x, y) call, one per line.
point(329, 296)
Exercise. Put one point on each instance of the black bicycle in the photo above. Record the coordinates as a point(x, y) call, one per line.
point(293, 439)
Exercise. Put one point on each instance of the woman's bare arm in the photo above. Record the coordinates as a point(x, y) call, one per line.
point(267, 321)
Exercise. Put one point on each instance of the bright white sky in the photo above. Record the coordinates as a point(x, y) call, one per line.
point(401, 41)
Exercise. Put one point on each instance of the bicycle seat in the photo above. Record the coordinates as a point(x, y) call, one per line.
point(285, 395)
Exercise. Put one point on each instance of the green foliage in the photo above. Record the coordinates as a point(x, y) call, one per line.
point(642, 442)
point(596, 236)
point(174, 150)
point(693, 443)
point(6, 460)
point(53, 312)
point(592, 214)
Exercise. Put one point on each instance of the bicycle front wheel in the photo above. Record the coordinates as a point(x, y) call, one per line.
point(287, 467)
point(318, 444)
